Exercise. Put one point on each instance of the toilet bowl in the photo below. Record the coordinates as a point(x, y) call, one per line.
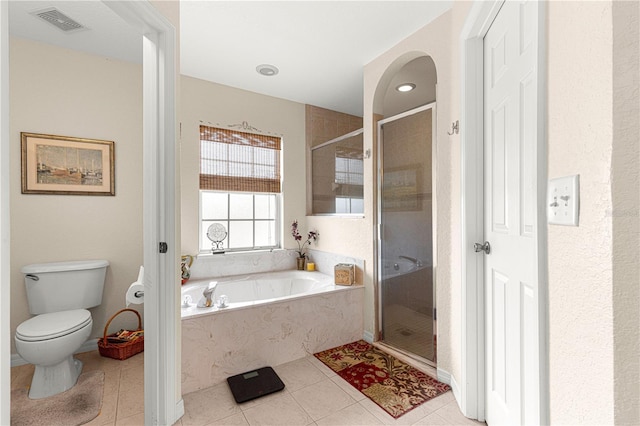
point(59, 295)
point(48, 341)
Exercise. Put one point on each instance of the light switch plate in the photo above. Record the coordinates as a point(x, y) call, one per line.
point(563, 201)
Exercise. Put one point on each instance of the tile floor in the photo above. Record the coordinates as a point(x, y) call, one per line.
point(409, 330)
point(314, 395)
point(123, 396)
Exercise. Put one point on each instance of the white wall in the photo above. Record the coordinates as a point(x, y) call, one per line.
point(213, 104)
point(62, 92)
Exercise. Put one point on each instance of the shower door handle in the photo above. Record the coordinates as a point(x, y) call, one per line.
point(486, 247)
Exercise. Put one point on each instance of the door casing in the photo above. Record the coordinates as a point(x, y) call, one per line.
point(163, 404)
point(162, 401)
point(472, 390)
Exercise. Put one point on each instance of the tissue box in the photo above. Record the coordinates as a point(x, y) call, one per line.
point(345, 274)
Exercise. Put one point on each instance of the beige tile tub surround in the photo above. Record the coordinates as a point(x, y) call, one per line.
point(218, 345)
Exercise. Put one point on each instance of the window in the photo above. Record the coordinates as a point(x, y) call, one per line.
point(240, 188)
point(350, 178)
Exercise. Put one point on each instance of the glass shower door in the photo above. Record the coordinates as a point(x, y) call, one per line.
point(406, 261)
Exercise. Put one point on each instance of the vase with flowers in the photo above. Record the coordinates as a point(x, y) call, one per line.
point(302, 246)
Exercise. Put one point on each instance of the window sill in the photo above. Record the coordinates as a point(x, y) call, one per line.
point(209, 255)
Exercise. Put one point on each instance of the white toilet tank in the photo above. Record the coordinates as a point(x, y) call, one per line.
point(62, 286)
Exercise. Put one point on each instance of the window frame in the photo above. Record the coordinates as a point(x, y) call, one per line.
point(277, 223)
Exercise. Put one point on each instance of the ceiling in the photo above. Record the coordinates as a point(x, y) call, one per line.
point(319, 47)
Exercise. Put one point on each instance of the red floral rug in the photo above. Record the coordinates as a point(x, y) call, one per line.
point(392, 384)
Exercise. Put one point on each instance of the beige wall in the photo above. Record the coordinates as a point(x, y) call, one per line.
point(593, 314)
point(580, 276)
point(63, 92)
point(594, 268)
point(625, 213)
point(212, 104)
point(439, 39)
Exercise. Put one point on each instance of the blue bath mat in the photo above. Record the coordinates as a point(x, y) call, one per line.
point(254, 384)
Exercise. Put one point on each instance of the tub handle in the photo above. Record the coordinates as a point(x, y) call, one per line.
point(32, 277)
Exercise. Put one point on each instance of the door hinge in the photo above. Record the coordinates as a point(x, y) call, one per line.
point(163, 247)
point(435, 317)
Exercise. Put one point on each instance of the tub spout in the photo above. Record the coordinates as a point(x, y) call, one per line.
point(208, 293)
point(415, 261)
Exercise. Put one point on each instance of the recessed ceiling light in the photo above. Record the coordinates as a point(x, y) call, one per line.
point(267, 70)
point(406, 87)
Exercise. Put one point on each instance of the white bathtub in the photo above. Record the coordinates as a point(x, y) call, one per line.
point(248, 290)
point(272, 318)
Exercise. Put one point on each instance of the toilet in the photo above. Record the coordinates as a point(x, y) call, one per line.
point(59, 295)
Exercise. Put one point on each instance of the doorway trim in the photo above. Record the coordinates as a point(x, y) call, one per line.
point(5, 225)
point(472, 390)
point(163, 403)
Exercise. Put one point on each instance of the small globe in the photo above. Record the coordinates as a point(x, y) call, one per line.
point(216, 232)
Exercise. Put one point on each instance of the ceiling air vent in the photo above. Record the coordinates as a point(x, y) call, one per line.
point(59, 20)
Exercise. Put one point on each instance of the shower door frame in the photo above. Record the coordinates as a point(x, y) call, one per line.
point(379, 226)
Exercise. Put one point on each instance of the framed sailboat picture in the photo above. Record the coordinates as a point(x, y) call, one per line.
point(65, 165)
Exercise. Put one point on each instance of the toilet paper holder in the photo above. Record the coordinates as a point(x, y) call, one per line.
point(135, 293)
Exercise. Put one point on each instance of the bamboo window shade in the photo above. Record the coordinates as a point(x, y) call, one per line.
point(238, 161)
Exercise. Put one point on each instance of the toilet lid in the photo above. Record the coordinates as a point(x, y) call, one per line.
point(55, 324)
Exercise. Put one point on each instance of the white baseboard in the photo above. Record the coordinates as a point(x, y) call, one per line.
point(88, 346)
point(179, 410)
point(367, 336)
point(446, 377)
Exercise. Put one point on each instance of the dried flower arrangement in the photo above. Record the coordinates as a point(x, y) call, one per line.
point(312, 235)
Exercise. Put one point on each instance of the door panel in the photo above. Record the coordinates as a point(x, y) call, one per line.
point(406, 243)
point(511, 143)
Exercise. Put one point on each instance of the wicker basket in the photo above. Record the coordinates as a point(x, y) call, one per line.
point(121, 350)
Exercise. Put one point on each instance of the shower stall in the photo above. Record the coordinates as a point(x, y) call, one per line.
point(406, 244)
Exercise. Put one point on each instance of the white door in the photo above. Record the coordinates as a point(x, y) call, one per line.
point(510, 186)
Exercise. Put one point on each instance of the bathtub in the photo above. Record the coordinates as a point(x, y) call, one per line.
point(272, 318)
point(248, 290)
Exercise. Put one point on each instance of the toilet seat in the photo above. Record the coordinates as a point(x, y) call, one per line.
point(53, 325)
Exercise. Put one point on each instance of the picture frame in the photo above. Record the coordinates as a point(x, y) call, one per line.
point(65, 165)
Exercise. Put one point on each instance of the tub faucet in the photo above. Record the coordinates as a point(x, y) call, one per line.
point(208, 293)
point(417, 262)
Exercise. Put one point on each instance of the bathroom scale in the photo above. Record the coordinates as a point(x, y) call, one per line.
point(254, 384)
